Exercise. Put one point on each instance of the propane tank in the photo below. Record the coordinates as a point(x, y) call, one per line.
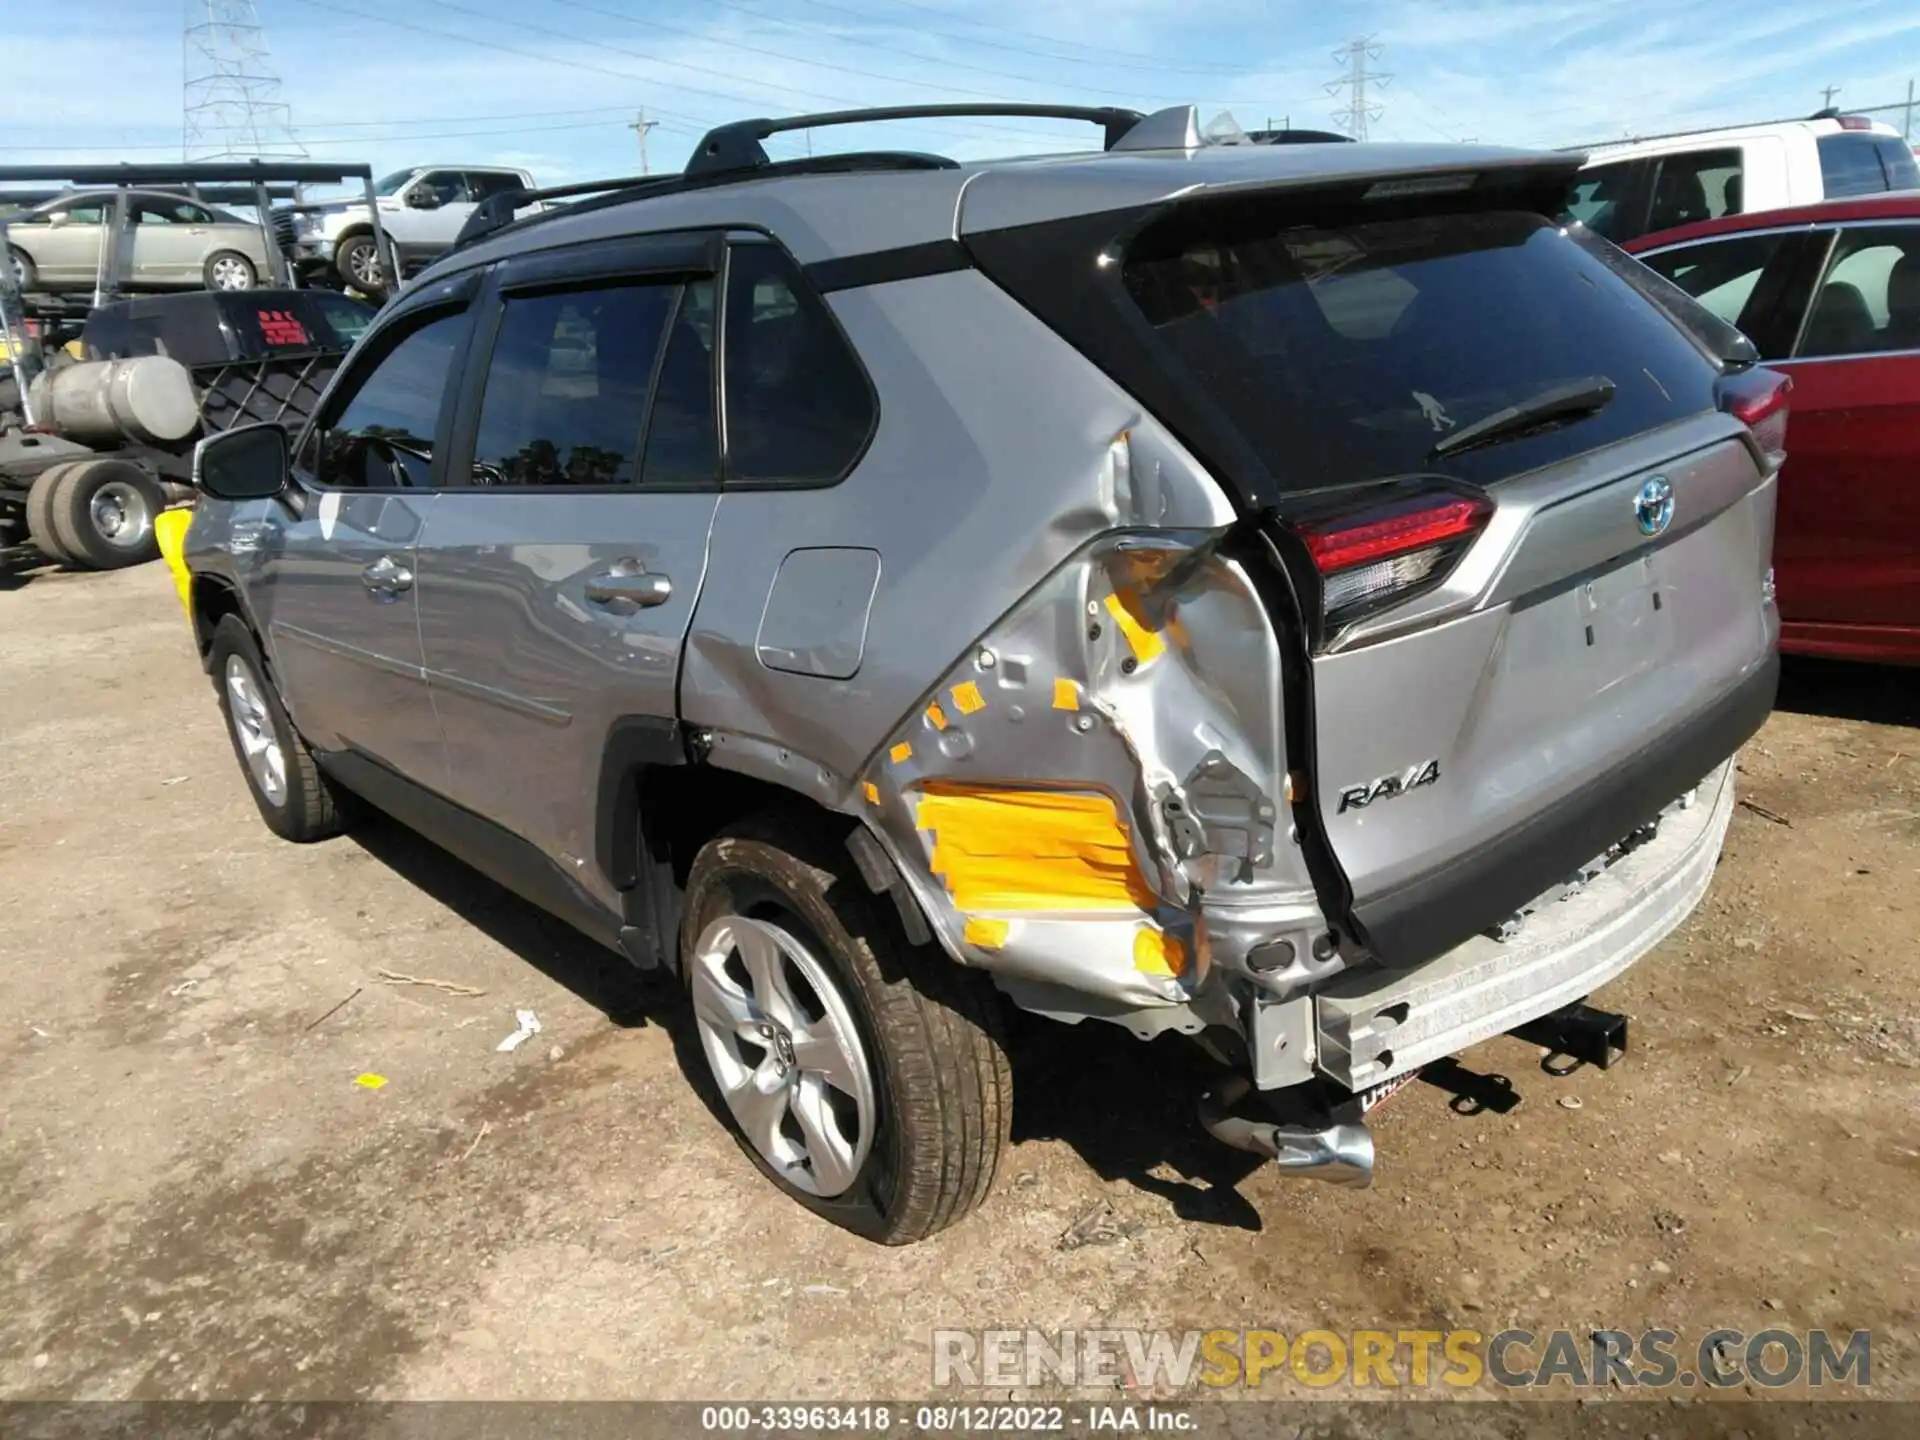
point(148, 399)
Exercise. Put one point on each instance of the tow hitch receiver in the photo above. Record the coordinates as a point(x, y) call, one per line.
point(1579, 1034)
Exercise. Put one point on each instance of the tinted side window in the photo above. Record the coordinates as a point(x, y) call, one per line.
point(449, 185)
point(1869, 298)
point(484, 183)
point(1850, 165)
point(1602, 199)
point(799, 409)
point(1720, 274)
point(567, 386)
point(81, 212)
point(381, 436)
point(1699, 185)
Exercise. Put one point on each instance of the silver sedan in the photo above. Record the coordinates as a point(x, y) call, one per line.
point(170, 243)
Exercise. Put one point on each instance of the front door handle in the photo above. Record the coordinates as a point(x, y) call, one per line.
point(387, 577)
point(620, 590)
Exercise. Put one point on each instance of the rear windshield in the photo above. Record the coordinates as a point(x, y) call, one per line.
point(1859, 163)
point(1344, 354)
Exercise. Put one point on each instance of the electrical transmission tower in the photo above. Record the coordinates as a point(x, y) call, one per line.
point(1355, 56)
point(230, 106)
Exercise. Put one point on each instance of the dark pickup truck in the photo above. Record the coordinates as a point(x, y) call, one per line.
point(112, 430)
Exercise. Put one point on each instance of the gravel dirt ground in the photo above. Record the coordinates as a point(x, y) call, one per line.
point(197, 1199)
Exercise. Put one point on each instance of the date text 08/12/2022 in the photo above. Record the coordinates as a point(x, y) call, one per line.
point(946, 1419)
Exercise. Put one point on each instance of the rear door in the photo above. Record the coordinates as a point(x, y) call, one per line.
point(556, 584)
point(1848, 547)
point(169, 240)
point(1580, 632)
point(339, 581)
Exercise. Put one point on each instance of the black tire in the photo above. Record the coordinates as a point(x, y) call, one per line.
point(359, 253)
point(102, 512)
point(25, 275)
point(236, 267)
point(931, 1029)
point(309, 806)
point(40, 524)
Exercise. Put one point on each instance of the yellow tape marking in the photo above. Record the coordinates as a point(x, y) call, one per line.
point(872, 793)
point(170, 530)
point(1157, 953)
point(936, 717)
point(967, 698)
point(1144, 643)
point(1066, 695)
point(369, 1081)
point(1031, 849)
point(987, 934)
point(900, 753)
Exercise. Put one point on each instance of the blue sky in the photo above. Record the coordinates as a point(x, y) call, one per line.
point(553, 84)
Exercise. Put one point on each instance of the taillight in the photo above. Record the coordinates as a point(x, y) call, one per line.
point(1384, 552)
point(1759, 399)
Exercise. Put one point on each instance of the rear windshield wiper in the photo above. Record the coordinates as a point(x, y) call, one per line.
point(1562, 403)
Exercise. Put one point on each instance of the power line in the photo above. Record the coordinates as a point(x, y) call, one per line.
point(1354, 115)
point(1145, 64)
point(1049, 39)
point(735, 101)
point(720, 41)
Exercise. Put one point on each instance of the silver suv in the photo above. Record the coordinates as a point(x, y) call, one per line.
point(1302, 597)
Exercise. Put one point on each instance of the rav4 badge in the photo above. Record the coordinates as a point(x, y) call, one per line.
point(1387, 787)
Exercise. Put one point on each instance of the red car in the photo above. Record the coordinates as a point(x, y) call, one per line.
point(1831, 295)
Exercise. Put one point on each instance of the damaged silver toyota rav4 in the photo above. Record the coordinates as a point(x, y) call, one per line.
point(1305, 597)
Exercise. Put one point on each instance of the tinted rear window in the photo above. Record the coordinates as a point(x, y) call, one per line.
point(1853, 163)
point(1903, 172)
point(1343, 354)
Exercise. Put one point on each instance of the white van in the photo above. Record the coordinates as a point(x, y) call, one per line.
point(1640, 186)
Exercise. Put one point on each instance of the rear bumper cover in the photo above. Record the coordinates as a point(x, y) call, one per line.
point(1431, 914)
point(1374, 1024)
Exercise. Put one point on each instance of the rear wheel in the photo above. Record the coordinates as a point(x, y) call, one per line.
point(293, 797)
point(358, 263)
point(25, 277)
point(40, 514)
point(864, 1074)
point(230, 270)
point(102, 512)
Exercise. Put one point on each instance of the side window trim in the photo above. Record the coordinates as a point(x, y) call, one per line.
point(489, 306)
point(666, 258)
point(452, 297)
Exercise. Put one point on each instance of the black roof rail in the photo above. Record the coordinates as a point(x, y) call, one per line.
point(736, 147)
point(495, 213)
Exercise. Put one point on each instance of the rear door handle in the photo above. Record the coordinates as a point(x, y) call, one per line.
point(619, 589)
point(387, 576)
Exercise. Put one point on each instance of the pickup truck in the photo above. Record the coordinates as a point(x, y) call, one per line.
point(422, 211)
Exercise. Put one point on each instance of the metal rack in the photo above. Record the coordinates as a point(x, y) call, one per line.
point(249, 182)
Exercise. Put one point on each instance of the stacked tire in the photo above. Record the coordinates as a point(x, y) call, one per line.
point(95, 514)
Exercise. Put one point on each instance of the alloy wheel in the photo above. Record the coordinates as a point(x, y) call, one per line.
point(253, 728)
point(782, 1044)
